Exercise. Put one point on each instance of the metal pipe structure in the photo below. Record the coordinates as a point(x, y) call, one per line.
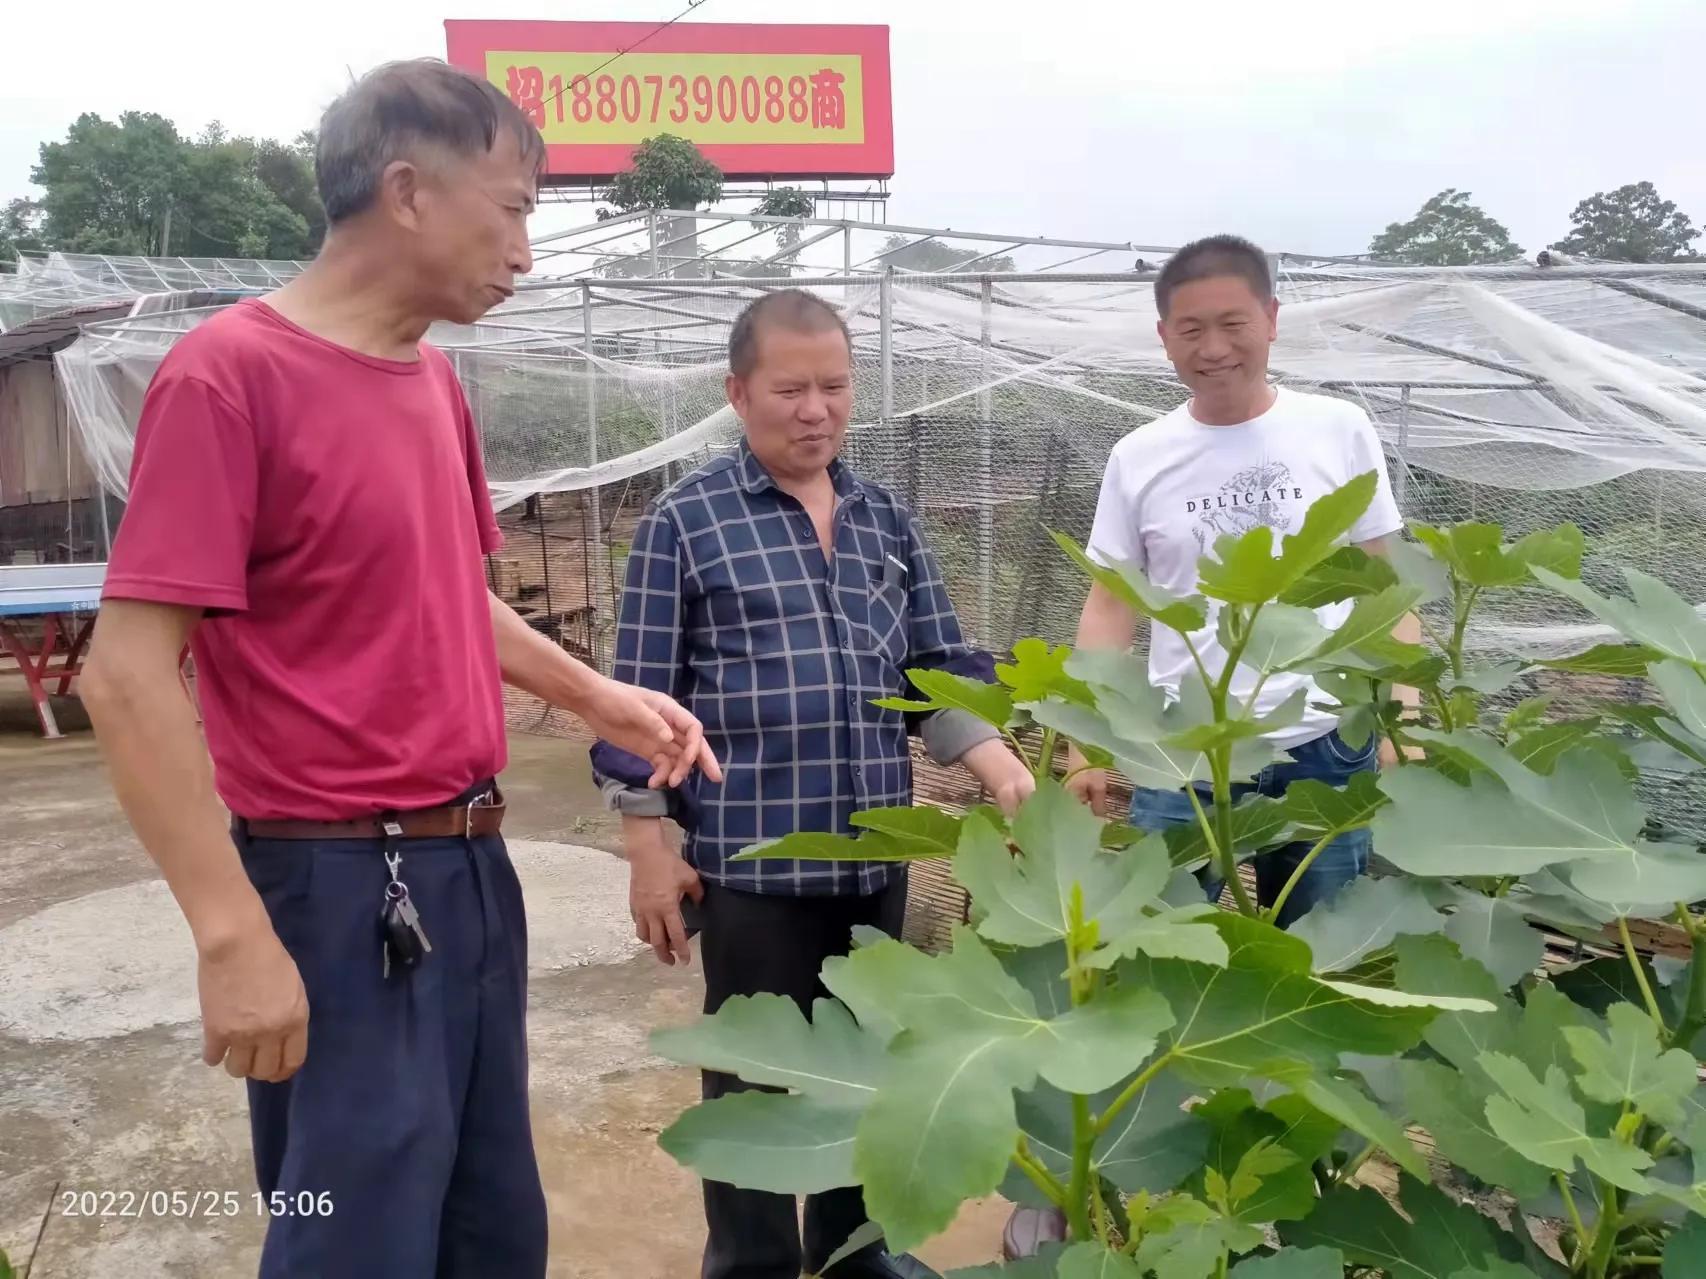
point(993, 253)
point(986, 477)
point(1403, 477)
point(1392, 276)
point(1657, 299)
point(885, 338)
point(594, 592)
point(899, 248)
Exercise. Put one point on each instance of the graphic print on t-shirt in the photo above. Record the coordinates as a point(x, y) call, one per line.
point(1258, 495)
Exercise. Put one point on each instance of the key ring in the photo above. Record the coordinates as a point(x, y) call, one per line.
point(393, 857)
point(396, 890)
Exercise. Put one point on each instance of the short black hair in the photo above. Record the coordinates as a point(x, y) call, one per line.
point(792, 309)
point(397, 108)
point(1216, 255)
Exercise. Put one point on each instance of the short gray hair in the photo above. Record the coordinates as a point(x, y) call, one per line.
point(396, 108)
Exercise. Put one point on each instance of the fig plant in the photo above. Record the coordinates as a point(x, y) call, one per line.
point(1203, 1095)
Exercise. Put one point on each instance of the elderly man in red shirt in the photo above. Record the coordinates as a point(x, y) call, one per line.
point(308, 510)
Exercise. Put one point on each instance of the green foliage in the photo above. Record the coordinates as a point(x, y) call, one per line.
point(1293, 1263)
point(1186, 1083)
point(1245, 570)
point(1439, 1239)
point(947, 692)
point(1685, 1254)
point(666, 172)
point(1447, 231)
point(785, 202)
point(1630, 224)
point(137, 186)
point(1364, 918)
point(20, 230)
point(887, 835)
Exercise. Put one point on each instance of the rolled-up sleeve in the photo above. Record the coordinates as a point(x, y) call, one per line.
point(936, 643)
point(648, 655)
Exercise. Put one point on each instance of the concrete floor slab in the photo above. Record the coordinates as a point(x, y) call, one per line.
point(102, 1088)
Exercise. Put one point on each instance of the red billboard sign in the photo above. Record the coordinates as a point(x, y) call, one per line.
point(759, 101)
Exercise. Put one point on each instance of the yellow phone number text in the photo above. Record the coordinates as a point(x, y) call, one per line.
point(706, 97)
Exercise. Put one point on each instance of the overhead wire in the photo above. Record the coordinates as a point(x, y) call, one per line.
point(588, 75)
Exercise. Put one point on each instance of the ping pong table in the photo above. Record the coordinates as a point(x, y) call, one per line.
point(62, 600)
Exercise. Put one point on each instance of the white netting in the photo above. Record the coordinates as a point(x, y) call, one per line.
point(44, 283)
point(1520, 395)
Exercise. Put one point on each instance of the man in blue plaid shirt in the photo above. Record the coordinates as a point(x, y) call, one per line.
point(776, 595)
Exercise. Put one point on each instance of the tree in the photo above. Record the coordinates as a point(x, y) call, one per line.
point(667, 172)
point(139, 187)
point(1446, 231)
point(20, 228)
point(287, 170)
point(1630, 224)
point(108, 186)
point(785, 202)
point(933, 255)
point(227, 209)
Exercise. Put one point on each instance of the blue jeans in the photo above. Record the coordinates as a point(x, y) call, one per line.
point(1325, 759)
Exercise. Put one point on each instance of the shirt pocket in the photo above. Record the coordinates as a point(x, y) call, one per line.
point(887, 615)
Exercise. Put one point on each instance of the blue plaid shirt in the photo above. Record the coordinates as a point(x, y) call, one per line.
point(731, 608)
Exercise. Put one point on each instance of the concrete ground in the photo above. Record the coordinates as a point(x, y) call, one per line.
point(102, 1088)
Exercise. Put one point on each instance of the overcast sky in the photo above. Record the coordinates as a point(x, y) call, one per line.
point(1307, 124)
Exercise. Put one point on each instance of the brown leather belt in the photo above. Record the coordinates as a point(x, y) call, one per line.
point(449, 821)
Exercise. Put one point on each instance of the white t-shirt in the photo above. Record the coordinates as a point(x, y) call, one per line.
point(1174, 486)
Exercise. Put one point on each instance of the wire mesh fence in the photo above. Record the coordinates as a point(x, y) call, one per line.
point(990, 404)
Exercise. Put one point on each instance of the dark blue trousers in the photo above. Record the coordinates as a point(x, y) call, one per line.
point(409, 1119)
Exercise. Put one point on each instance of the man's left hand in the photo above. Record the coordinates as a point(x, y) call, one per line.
point(654, 727)
point(1003, 774)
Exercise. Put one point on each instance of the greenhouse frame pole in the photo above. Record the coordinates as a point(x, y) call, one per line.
point(595, 591)
point(986, 473)
point(885, 339)
point(1403, 448)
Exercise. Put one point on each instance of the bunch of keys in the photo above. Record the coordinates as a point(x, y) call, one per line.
point(399, 922)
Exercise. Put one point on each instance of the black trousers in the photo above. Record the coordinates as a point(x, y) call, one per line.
point(751, 944)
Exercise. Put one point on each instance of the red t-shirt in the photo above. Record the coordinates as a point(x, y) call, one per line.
point(330, 511)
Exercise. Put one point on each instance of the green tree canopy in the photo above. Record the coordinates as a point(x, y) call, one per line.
point(1447, 231)
point(933, 255)
point(785, 202)
point(139, 186)
point(1630, 224)
point(20, 228)
point(667, 172)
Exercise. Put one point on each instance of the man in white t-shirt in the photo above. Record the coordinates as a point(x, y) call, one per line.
point(1240, 453)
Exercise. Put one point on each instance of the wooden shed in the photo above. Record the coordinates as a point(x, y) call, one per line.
point(50, 504)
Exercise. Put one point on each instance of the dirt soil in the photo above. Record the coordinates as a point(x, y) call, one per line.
point(102, 1089)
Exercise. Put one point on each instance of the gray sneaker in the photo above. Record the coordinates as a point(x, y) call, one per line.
point(1028, 1229)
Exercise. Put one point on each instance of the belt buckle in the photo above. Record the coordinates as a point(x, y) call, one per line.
point(468, 814)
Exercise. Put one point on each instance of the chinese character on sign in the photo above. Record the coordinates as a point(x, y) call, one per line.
point(829, 108)
point(526, 87)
